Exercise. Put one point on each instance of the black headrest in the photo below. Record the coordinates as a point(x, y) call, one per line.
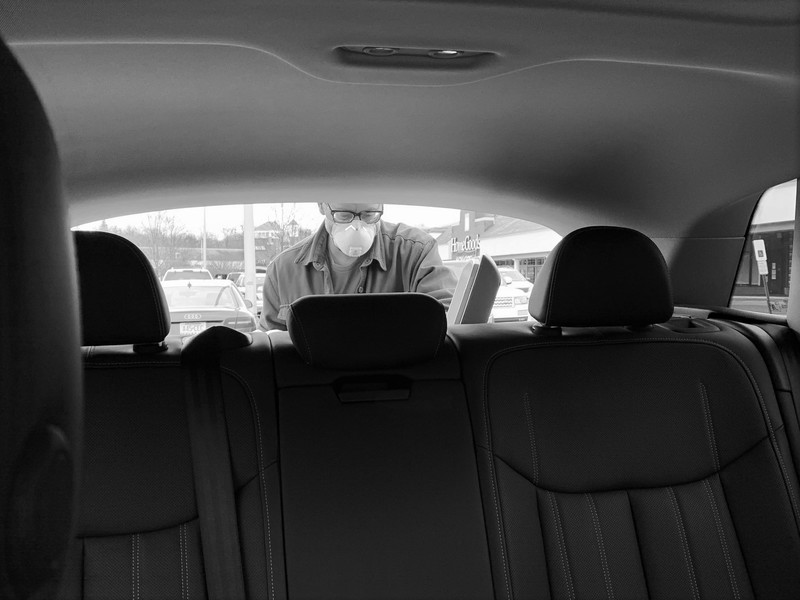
point(121, 299)
point(602, 276)
point(354, 332)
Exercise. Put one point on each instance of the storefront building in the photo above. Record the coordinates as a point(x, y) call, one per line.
point(510, 242)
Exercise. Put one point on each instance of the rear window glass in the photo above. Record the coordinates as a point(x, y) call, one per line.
point(181, 243)
point(764, 274)
point(198, 296)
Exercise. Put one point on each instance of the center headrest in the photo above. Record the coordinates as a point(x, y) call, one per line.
point(354, 332)
point(122, 301)
point(602, 276)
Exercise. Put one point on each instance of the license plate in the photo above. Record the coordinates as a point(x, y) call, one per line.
point(192, 328)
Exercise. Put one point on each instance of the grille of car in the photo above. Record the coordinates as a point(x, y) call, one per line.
point(503, 302)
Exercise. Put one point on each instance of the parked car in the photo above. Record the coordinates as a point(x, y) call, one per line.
point(196, 304)
point(260, 278)
point(184, 274)
point(513, 278)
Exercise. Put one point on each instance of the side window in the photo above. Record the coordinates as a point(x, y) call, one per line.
point(762, 281)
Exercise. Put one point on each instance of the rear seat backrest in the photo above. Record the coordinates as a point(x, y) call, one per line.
point(627, 463)
point(380, 489)
point(138, 534)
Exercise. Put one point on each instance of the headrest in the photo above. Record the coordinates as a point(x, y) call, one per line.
point(121, 299)
point(354, 332)
point(602, 276)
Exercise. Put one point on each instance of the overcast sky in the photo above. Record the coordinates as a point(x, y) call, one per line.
point(232, 216)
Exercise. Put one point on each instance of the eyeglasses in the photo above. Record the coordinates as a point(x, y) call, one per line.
point(347, 216)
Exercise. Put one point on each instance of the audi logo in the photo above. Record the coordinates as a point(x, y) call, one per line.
point(191, 316)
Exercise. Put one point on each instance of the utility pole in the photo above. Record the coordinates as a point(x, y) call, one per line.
point(249, 257)
point(205, 235)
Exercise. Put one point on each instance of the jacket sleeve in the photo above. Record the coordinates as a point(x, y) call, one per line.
point(272, 302)
point(433, 277)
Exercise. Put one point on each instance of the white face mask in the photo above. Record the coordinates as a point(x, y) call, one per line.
point(354, 239)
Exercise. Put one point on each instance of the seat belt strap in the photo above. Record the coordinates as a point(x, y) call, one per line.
point(213, 476)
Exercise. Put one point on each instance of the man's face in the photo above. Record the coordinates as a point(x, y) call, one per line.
point(326, 209)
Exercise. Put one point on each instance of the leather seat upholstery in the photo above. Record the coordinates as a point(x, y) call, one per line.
point(381, 496)
point(627, 463)
point(138, 533)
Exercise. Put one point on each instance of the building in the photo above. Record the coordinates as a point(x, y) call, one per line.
point(510, 242)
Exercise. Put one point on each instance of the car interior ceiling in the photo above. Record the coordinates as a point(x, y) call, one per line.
point(638, 440)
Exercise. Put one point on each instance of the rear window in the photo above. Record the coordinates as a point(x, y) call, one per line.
point(765, 269)
point(185, 275)
point(179, 248)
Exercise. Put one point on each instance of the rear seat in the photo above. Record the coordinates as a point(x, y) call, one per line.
point(614, 458)
point(624, 460)
point(380, 489)
point(138, 534)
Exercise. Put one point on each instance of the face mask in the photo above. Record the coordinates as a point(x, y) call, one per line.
point(354, 239)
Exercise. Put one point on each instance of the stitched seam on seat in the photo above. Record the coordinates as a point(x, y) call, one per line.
point(186, 554)
point(261, 470)
point(492, 479)
point(500, 531)
point(599, 535)
point(115, 365)
point(133, 566)
point(638, 544)
point(723, 539)
point(531, 436)
point(702, 342)
point(712, 438)
point(631, 489)
point(562, 545)
point(182, 574)
point(687, 553)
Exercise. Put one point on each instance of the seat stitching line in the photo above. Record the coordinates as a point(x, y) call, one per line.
point(599, 533)
point(638, 543)
point(531, 436)
point(562, 545)
point(655, 487)
point(186, 556)
point(712, 438)
point(131, 364)
point(500, 530)
point(492, 478)
point(703, 342)
point(180, 551)
point(261, 470)
point(133, 566)
point(687, 554)
point(723, 539)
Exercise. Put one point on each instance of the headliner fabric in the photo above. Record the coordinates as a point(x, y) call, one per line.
point(603, 276)
point(112, 269)
point(367, 331)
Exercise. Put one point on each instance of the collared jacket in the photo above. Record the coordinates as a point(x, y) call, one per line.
point(402, 259)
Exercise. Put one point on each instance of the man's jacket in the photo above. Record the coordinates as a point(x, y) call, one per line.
point(402, 259)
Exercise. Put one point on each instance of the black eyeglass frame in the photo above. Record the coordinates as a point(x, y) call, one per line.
point(353, 215)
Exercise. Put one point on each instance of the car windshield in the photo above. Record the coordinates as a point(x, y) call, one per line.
point(512, 274)
point(200, 296)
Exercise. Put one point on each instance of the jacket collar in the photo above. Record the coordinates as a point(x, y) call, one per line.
point(315, 250)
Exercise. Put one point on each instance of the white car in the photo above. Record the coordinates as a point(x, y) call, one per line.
point(197, 304)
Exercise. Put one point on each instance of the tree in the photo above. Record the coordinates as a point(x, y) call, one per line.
point(162, 236)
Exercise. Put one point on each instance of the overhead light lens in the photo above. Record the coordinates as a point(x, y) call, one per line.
point(379, 51)
point(444, 53)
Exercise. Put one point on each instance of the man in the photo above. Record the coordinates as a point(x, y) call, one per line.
point(354, 251)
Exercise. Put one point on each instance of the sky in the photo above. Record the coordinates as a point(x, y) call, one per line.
point(306, 214)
